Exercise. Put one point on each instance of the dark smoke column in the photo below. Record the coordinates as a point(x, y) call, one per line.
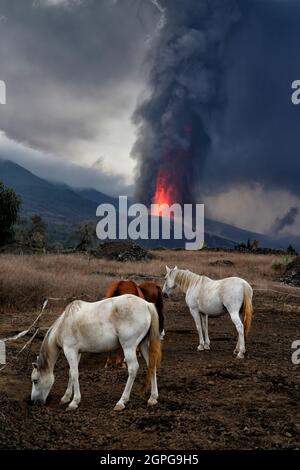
point(174, 123)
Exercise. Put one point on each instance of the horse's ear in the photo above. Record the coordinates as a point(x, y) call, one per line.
point(175, 268)
point(168, 269)
point(35, 365)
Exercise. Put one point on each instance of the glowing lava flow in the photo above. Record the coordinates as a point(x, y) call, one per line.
point(164, 194)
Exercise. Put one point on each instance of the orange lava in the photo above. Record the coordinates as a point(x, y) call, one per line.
point(164, 194)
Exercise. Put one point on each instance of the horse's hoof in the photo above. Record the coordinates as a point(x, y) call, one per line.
point(207, 347)
point(240, 356)
point(200, 347)
point(64, 401)
point(72, 406)
point(152, 401)
point(119, 407)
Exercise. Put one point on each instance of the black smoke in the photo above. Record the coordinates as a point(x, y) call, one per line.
point(176, 121)
point(219, 114)
point(286, 221)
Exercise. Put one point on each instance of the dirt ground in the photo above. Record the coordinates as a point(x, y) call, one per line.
point(208, 400)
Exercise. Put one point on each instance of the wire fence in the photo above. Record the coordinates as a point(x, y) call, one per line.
point(34, 328)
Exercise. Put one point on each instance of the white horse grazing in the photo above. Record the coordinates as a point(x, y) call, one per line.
point(100, 327)
point(208, 298)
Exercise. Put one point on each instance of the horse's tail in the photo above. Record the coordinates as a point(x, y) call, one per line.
point(154, 346)
point(247, 309)
point(159, 304)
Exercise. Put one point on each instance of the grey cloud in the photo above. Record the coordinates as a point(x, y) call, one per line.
point(68, 69)
point(56, 3)
point(52, 168)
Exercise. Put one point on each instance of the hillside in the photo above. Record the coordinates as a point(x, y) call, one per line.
point(61, 206)
point(53, 201)
point(64, 208)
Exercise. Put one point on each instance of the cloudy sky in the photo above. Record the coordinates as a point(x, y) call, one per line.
point(76, 70)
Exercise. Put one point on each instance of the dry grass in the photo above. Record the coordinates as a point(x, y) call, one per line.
point(249, 266)
point(26, 280)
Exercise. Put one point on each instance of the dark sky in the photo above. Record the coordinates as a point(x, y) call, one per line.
point(259, 137)
point(257, 142)
point(75, 71)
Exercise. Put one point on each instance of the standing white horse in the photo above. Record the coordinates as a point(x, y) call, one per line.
point(100, 327)
point(208, 298)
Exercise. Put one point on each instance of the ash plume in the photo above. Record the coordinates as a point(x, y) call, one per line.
point(286, 221)
point(175, 121)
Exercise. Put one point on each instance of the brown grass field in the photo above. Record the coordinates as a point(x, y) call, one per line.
point(208, 400)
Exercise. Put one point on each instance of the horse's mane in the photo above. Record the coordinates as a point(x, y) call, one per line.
point(43, 358)
point(185, 278)
point(44, 354)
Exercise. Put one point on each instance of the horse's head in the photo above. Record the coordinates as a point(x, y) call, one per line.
point(42, 381)
point(169, 284)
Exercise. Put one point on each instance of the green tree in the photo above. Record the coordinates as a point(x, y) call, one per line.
point(9, 208)
point(254, 245)
point(87, 236)
point(291, 250)
point(37, 236)
point(21, 231)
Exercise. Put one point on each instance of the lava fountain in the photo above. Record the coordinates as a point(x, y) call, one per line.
point(165, 193)
point(172, 181)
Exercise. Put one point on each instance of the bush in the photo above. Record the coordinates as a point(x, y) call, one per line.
point(281, 264)
point(291, 250)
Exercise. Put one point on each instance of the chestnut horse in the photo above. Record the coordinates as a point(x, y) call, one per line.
point(149, 291)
